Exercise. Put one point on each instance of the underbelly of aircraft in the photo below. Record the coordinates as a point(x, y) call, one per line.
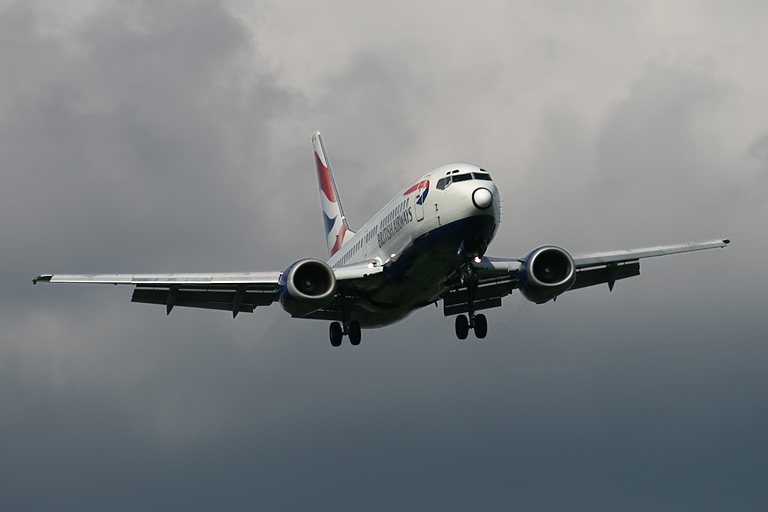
point(418, 277)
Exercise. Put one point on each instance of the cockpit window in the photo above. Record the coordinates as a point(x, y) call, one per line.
point(462, 177)
point(445, 182)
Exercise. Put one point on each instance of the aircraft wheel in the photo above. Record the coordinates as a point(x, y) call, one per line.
point(481, 326)
point(462, 327)
point(335, 334)
point(354, 332)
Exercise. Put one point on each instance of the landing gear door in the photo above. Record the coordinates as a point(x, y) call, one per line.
point(421, 197)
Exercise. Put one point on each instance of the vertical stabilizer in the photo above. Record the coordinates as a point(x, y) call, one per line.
point(337, 231)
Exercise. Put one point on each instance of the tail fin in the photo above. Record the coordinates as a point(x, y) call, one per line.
point(337, 231)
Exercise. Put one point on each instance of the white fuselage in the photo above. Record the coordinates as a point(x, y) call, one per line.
point(421, 238)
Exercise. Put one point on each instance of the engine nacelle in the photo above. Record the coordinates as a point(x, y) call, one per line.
point(306, 286)
point(546, 273)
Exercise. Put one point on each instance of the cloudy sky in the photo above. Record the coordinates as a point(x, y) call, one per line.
point(160, 136)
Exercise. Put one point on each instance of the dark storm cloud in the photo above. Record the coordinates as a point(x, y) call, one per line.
point(156, 137)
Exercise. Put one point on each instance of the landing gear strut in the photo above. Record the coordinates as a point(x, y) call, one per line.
point(351, 329)
point(478, 323)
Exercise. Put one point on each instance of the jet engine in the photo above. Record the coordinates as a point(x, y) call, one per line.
point(546, 273)
point(306, 286)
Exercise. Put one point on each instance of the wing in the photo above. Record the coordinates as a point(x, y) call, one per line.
point(497, 277)
point(605, 258)
point(235, 292)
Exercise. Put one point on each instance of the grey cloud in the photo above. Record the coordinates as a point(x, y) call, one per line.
point(652, 136)
point(758, 151)
point(652, 170)
point(140, 139)
point(155, 137)
point(365, 112)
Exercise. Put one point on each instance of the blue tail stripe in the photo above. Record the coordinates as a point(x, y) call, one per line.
point(329, 222)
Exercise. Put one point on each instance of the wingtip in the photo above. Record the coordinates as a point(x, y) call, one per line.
point(727, 241)
point(43, 277)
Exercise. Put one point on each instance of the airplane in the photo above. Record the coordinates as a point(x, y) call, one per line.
point(426, 245)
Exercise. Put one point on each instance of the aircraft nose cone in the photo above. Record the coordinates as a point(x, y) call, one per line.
point(482, 197)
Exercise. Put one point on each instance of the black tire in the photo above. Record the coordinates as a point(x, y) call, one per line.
point(355, 336)
point(481, 326)
point(462, 327)
point(335, 333)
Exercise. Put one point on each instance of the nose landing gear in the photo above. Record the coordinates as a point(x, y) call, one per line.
point(351, 329)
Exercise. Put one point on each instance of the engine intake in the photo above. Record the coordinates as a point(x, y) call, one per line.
point(546, 273)
point(307, 286)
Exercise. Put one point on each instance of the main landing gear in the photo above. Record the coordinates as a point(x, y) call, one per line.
point(478, 323)
point(351, 329)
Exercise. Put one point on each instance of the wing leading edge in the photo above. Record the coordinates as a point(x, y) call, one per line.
point(218, 279)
